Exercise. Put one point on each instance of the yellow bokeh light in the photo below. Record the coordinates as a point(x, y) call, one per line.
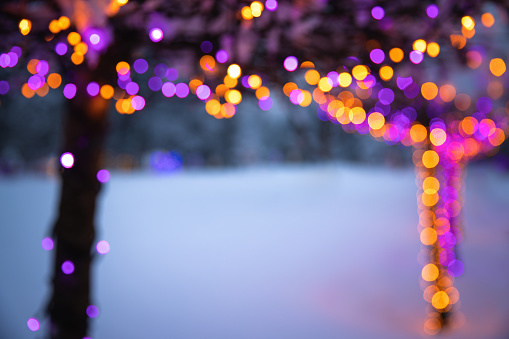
point(123, 68)
point(234, 71)
point(430, 159)
point(230, 82)
point(32, 66)
point(418, 133)
point(25, 26)
point(54, 27)
point(440, 300)
point(312, 77)
point(64, 22)
point(487, 19)
point(256, 8)
point(419, 45)
point(289, 87)
point(396, 54)
point(497, 137)
point(429, 200)
point(430, 185)
point(324, 84)
point(462, 101)
point(345, 79)
point(360, 72)
point(307, 98)
point(233, 96)
point(357, 115)
point(107, 91)
point(221, 90)
point(386, 73)
point(429, 272)
point(213, 107)
point(81, 48)
point(307, 64)
point(54, 80)
point(428, 236)
point(246, 13)
point(469, 125)
point(193, 85)
point(262, 93)
point(42, 91)
point(121, 2)
point(254, 81)
point(495, 89)
point(77, 58)
point(376, 120)
point(497, 67)
point(207, 63)
point(433, 49)
point(447, 93)
point(74, 38)
point(429, 90)
point(468, 22)
point(437, 136)
point(227, 110)
point(27, 91)
point(458, 41)
point(469, 34)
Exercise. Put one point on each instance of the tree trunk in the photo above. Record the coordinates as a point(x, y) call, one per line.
point(84, 133)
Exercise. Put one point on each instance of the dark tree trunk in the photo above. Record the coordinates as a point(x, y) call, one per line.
point(84, 133)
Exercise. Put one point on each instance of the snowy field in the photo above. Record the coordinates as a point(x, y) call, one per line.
point(280, 252)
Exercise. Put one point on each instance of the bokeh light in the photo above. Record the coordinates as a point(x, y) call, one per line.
point(291, 63)
point(67, 160)
point(92, 311)
point(33, 324)
point(102, 247)
point(103, 176)
point(47, 244)
point(156, 34)
point(67, 267)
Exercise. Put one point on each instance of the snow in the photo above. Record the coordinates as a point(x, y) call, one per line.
point(323, 251)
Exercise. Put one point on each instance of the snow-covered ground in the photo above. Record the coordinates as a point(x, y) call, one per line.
point(321, 252)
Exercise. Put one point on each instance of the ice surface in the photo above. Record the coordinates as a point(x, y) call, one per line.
point(326, 251)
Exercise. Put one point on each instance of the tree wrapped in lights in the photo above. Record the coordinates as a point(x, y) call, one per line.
point(370, 68)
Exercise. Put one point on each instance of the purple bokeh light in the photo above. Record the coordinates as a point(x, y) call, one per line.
point(221, 56)
point(168, 89)
point(61, 48)
point(140, 66)
point(36, 81)
point(378, 12)
point(95, 38)
point(42, 67)
point(386, 96)
point(132, 88)
point(13, 59)
point(17, 50)
point(455, 268)
point(67, 160)
point(416, 57)
point(432, 11)
point(92, 311)
point(68, 267)
point(377, 56)
point(47, 244)
point(206, 46)
point(484, 105)
point(203, 92)
point(155, 83)
point(167, 162)
point(404, 82)
point(104, 175)
point(4, 60)
point(93, 88)
point(291, 63)
point(172, 74)
point(160, 70)
point(265, 104)
point(69, 91)
point(33, 324)
point(4, 87)
point(182, 90)
point(156, 34)
point(137, 102)
point(271, 5)
point(102, 247)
